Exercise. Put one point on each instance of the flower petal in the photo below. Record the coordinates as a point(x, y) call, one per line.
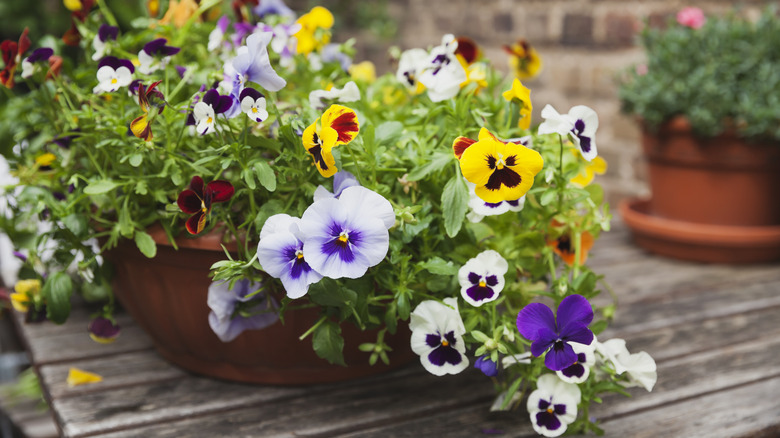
point(534, 318)
point(343, 120)
point(575, 308)
point(221, 191)
point(189, 202)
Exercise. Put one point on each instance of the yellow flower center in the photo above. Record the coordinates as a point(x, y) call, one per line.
point(203, 207)
point(343, 237)
point(114, 81)
point(299, 256)
point(482, 283)
point(254, 110)
point(500, 163)
point(210, 120)
point(444, 343)
point(549, 410)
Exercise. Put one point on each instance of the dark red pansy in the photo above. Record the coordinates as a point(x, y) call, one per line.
point(12, 56)
point(468, 49)
point(197, 200)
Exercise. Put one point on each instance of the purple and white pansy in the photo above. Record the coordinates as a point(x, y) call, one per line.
point(113, 73)
point(580, 125)
point(253, 104)
point(437, 337)
point(155, 55)
point(273, 7)
point(344, 237)
point(443, 73)
point(579, 371)
point(553, 405)
point(537, 323)
point(284, 43)
point(482, 278)
point(205, 112)
point(280, 253)
point(217, 36)
point(341, 180)
point(30, 64)
point(252, 64)
point(105, 34)
point(639, 367)
point(480, 208)
point(410, 67)
point(240, 308)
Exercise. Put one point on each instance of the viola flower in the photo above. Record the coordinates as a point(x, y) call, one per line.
point(516, 359)
point(341, 181)
point(103, 330)
point(253, 104)
point(553, 405)
point(338, 125)
point(442, 74)
point(205, 112)
point(467, 50)
point(640, 367)
point(25, 293)
point(344, 237)
point(482, 278)
point(252, 64)
point(691, 17)
point(280, 253)
point(114, 73)
point(437, 337)
point(348, 93)
point(363, 71)
point(238, 309)
point(105, 34)
point(580, 124)
point(197, 200)
point(30, 63)
point(523, 60)
point(148, 98)
point(273, 7)
point(564, 247)
point(155, 55)
point(218, 34)
point(537, 323)
point(315, 30)
point(579, 371)
point(596, 167)
point(501, 171)
point(410, 67)
point(12, 56)
point(283, 42)
point(486, 365)
point(480, 208)
point(179, 12)
point(519, 93)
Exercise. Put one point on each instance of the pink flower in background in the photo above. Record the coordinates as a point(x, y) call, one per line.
point(691, 17)
point(641, 69)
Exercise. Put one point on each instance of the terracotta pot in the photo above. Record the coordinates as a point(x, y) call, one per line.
point(167, 297)
point(720, 181)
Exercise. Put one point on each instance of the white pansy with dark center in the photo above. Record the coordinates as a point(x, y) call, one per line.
point(482, 278)
point(480, 208)
point(443, 73)
point(410, 66)
point(580, 124)
point(253, 104)
point(437, 337)
point(113, 73)
point(579, 371)
point(553, 405)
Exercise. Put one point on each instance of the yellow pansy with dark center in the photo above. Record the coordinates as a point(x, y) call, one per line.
point(501, 171)
point(338, 125)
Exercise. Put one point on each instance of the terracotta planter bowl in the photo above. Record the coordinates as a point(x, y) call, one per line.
point(167, 297)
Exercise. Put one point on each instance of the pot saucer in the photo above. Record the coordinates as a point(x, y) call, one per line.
point(699, 242)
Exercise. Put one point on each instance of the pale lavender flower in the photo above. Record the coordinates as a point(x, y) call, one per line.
point(276, 7)
point(341, 180)
point(217, 36)
point(233, 310)
point(252, 64)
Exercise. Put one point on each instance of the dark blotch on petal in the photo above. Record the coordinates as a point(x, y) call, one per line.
point(345, 124)
point(107, 32)
point(504, 176)
point(251, 92)
point(547, 420)
point(480, 293)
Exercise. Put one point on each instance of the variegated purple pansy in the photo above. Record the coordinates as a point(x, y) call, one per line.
point(482, 278)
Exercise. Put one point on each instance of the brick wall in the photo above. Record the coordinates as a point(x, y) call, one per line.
point(583, 44)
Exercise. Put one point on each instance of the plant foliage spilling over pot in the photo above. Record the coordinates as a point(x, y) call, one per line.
point(421, 200)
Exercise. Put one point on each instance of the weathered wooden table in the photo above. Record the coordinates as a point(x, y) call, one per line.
point(714, 332)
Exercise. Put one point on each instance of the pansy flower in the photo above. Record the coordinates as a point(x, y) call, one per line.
point(155, 55)
point(437, 337)
point(486, 365)
point(480, 208)
point(482, 278)
point(240, 308)
point(218, 34)
point(537, 323)
point(519, 93)
point(553, 405)
point(273, 7)
point(30, 63)
point(501, 171)
point(315, 30)
point(148, 98)
point(103, 330)
point(565, 247)
point(253, 104)
point(467, 50)
point(596, 167)
point(280, 253)
point(442, 73)
point(363, 71)
point(691, 17)
point(197, 200)
point(179, 12)
point(283, 42)
point(338, 125)
point(410, 66)
point(25, 293)
point(114, 73)
point(639, 367)
point(579, 371)
point(523, 60)
point(344, 237)
point(105, 34)
point(205, 112)
point(12, 55)
point(252, 64)
point(580, 125)
point(348, 93)
point(341, 181)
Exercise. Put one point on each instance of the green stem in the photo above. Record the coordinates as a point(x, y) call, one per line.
point(107, 13)
point(314, 327)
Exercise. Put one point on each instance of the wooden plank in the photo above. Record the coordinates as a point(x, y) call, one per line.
point(75, 346)
point(119, 371)
point(31, 417)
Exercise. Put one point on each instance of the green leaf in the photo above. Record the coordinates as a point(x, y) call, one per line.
point(145, 244)
point(510, 392)
point(388, 132)
point(328, 293)
point(549, 196)
point(76, 223)
point(438, 162)
point(266, 175)
point(454, 203)
point(249, 178)
point(100, 187)
point(328, 343)
point(596, 193)
point(136, 160)
point(439, 266)
point(56, 291)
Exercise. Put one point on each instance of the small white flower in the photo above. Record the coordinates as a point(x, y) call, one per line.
point(410, 66)
point(113, 74)
point(641, 367)
point(443, 73)
point(349, 93)
point(253, 104)
point(515, 359)
point(580, 124)
point(553, 405)
point(437, 336)
point(482, 278)
point(204, 117)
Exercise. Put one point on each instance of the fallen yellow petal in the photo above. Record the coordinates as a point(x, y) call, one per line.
point(81, 377)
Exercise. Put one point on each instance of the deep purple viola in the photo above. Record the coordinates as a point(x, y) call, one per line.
point(537, 323)
point(105, 34)
point(155, 55)
point(486, 365)
point(103, 330)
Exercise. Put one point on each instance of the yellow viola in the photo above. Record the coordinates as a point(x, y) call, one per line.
point(24, 292)
point(522, 94)
point(72, 5)
point(338, 125)
point(588, 173)
point(523, 60)
point(364, 71)
point(315, 30)
point(501, 171)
